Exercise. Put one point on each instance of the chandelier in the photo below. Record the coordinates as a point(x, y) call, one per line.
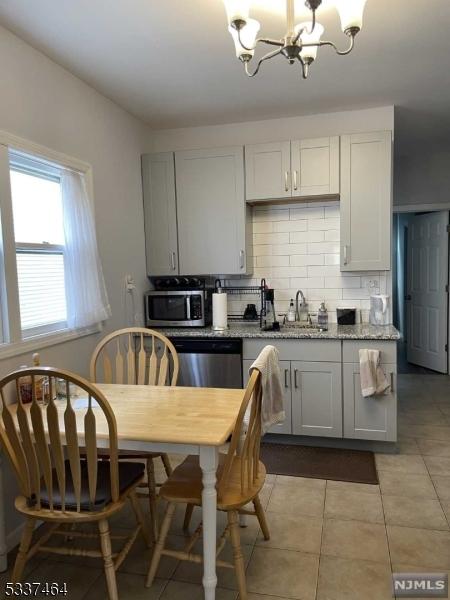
point(300, 43)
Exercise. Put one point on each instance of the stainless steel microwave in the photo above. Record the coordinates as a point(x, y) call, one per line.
point(178, 308)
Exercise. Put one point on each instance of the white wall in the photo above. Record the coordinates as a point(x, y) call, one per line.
point(423, 175)
point(253, 132)
point(43, 102)
point(297, 246)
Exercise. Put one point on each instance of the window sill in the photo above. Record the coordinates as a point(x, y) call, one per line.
point(38, 342)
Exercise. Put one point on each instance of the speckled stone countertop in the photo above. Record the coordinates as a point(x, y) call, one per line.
point(251, 330)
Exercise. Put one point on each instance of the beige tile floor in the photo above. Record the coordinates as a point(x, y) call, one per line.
point(330, 540)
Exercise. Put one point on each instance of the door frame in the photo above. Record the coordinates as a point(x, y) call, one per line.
point(417, 208)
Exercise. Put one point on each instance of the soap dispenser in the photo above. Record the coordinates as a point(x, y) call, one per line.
point(291, 312)
point(322, 318)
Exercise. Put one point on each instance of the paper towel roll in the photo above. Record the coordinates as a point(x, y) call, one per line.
point(220, 311)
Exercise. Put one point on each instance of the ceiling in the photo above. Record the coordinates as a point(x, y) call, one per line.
point(172, 63)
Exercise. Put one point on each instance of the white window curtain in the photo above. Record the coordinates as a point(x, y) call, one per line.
point(87, 299)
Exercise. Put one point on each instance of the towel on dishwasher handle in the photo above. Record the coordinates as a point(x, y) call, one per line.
point(272, 409)
point(373, 379)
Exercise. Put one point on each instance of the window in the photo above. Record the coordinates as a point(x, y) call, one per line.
point(51, 280)
point(39, 243)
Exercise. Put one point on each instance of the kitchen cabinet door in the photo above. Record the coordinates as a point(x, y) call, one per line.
point(160, 214)
point(212, 215)
point(315, 167)
point(268, 171)
point(372, 418)
point(366, 201)
point(317, 399)
point(285, 366)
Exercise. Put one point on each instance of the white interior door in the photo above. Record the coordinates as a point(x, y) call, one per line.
point(427, 296)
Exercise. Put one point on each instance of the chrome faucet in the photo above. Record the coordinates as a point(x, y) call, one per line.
point(297, 311)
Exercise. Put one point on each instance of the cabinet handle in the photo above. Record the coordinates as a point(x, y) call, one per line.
point(345, 255)
point(172, 260)
point(241, 259)
point(295, 378)
point(286, 372)
point(295, 180)
point(392, 383)
point(286, 181)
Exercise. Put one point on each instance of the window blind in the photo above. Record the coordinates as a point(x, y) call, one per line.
point(41, 289)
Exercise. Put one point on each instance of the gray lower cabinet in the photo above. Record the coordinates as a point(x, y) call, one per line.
point(316, 399)
point(372, 418)
point(285, 366)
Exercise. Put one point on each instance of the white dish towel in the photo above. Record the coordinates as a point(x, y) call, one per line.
point(272, 409)
point(373, 379)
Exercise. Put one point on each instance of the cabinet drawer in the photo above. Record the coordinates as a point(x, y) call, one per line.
point(306, 350)
point(388, 350)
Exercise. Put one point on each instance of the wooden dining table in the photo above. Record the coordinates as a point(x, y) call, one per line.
point(181, 420)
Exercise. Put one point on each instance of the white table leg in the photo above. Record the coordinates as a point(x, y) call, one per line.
point(3, 554)
point(208, 464)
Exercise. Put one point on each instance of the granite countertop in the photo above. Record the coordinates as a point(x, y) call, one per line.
point(251, 330)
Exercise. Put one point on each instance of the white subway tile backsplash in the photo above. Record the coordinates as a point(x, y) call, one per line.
point(297, 247)
point(263, 250)
point(333, 235)
point(323, 247)
point(271, 215)
point(302, 237)
point(271, 238)
point(328, 271)
point(263, 227)
point(272, 261)
point(307, 259)
point(288, 249)
point(342, 282)
point(300, 271)
point(323, 224)
point(324, 294)
point(306, 283)
point(314, 212)
point(332, 259)
point(355, 294)
point(300, 225)
point(332, 212)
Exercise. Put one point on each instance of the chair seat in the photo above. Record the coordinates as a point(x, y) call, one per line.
point(185, 484)
point(129, 474)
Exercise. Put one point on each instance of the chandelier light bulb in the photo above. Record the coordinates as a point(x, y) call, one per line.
point(309, 53)
point(247, 35)
point(351, 13)
point(237, 10)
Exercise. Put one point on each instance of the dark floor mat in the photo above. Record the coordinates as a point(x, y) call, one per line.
point(357, 466)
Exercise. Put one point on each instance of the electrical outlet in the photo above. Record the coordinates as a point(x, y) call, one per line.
point(129, 283)
point(373, 284)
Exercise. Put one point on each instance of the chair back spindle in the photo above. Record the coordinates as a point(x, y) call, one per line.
point(139, 355)
point(38, 436)
point(248, 426)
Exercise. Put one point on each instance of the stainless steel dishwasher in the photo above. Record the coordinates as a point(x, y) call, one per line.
point(207, 362)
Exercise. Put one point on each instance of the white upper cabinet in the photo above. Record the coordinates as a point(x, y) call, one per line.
point(160, 214)
point(292, 169)
point(366, 201)
point(211, 210)
point(268, 171)
point(315, 167)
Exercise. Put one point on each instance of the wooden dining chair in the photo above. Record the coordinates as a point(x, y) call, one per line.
point(240, 477)
point(59, 486)
point(138, 356)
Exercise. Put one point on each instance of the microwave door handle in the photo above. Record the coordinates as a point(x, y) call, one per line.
point(188, 308)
